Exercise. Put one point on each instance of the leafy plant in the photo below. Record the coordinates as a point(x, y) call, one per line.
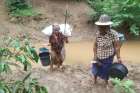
point(124, 13)
point(123, 86)
point(4, 67)
point(16, 50)
point(27, 85)
point(4, 88)
point(20, 8)
point(4, 56)
point(24, 53)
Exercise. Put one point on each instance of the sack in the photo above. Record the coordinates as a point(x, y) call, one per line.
point(66, 30)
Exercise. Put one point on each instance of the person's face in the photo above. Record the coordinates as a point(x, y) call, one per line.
point(56, 29)
point(103, 29)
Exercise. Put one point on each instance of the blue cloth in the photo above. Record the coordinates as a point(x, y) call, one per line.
point(102, 71)
point(121, 37)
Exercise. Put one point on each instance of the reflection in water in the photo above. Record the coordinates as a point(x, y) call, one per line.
point(82, 52)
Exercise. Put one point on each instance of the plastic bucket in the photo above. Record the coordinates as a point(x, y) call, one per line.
point(118, 70)
point(44, 56)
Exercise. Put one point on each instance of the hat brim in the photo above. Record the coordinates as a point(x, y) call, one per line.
point(104, 24)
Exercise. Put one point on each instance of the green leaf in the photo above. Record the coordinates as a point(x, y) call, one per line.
point(121, 11)
point(124, 86)
point(6, 68)
point(2, 91)
point(1, 67)
point(129, 84)
point(17, 86)
point(44, 89)
point(135, 30)
point(35, 55)
point(28, 50)
point(132, 91)
point(7, 89)
point(16, 44)
point(21, 59)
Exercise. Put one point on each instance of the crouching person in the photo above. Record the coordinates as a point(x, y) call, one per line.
point(106, 46)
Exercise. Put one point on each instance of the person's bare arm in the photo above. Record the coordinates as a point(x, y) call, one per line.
point(50, 40)
point(95, 51)
point(117, 48)
point(95, 55)
point(66, 39)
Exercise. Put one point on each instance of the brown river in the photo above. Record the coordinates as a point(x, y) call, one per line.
point(81, 52)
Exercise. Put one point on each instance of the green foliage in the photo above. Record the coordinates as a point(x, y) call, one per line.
point(4, 88)
point(24, 53)
point(123, 86)
point(20, 8)
point(24, 12)
point(4, 67)
point(16, 50)
point(27, 85)
point(123, 12)
point(12, 50)
point(4, 56)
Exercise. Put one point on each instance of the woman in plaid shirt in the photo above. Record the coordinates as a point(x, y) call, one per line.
point(106, 46)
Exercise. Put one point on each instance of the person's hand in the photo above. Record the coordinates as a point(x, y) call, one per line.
point(91, 63)
point(119, 60)
point(66, 40)
point(49, 44)
point(99, 64)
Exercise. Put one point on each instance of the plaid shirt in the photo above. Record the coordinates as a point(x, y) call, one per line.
point(105, 46)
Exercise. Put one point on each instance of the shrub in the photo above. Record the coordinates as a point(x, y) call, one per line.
point(20, 8)
point(27, 85)
point(16, 50)
point(123, 12)
point(126, 86)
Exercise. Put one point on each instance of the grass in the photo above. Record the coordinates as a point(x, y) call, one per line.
point(24, 12)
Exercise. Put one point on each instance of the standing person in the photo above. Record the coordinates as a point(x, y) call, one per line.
point(57, 40)
point(106, 46)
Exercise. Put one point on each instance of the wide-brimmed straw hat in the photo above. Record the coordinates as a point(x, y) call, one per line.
point(104, 20)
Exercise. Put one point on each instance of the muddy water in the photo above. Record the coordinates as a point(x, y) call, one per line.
point(81, 52)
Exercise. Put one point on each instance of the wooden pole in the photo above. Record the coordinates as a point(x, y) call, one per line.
point(66, 15)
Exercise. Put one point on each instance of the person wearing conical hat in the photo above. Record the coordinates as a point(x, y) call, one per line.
point(106, 46)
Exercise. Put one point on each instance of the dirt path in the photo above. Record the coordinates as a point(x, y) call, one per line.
point(72, 79)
